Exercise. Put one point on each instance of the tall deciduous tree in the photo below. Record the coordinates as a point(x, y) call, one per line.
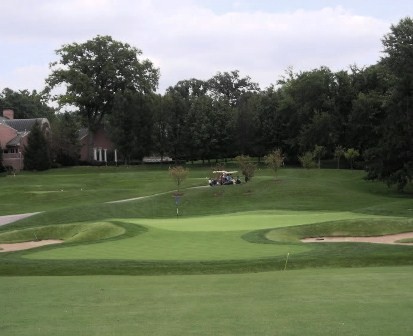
point(391, 160)
point(131, 125)
point(160, 130)
point(231, 86)
point(94, 72)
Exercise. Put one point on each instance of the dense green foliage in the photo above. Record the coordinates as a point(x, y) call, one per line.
point(26, 104)
point(367, 110)
point(37, 151)
point(95, 72)
point(391, 159)
point(65, 144)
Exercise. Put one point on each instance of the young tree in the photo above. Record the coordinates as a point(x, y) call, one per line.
point(319, 152)
point(94, 72)
point(36, 153)
point(178, 174)
point(274, 160)
point(247, 167)
point(351, 155)
point(338, 154)
point(307, 160)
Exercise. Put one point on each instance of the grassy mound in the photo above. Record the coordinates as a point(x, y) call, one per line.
point(356, 227)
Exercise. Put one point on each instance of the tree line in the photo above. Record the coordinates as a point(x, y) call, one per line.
point(362, 114)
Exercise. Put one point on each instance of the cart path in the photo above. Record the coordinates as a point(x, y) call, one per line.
point(153, 195)
point(13, 218)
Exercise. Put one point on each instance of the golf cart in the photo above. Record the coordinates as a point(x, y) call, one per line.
point(223, 177)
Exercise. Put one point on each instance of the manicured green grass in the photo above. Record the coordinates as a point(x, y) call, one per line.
point(220, 229)
point(198, 238)
point(361, 301)
point(214, 264)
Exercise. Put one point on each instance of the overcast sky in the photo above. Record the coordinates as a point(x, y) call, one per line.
point(197, 38)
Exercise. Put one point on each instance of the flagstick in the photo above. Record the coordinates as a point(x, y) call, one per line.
point(286, 261)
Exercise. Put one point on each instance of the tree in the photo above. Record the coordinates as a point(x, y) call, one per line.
point(130, 125)
point(270, 124)
point(274, 160)
point(301, 96)
point(95, 72)
point(177, 102)
point(247, 126)
point(351, 155)
point(247, 167)
point(27, 104)
point(36, 153)
point(320, 130)
point(338, 154)
point(318, 153)
point(231, 86)
point(178, 174)
point(391, 159)
point(160, 130)
point(198, 128)
point(307, 160)
point(65, 145)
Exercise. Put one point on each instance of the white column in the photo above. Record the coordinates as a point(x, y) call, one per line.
point(100, 154)
point(116, 155)
point(105, 154)
point(95, 154)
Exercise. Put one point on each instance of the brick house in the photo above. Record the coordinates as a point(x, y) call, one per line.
point(101, 151)
point(13, 137)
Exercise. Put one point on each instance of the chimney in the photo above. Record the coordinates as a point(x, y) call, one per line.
point(8, 113)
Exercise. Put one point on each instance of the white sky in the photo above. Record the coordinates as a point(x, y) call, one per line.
point(197, 38)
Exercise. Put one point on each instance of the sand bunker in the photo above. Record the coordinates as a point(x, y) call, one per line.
point(27, 245)
point(387, 239)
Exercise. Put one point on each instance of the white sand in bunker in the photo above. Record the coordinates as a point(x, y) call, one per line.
point(27, 245)
point(386, 239)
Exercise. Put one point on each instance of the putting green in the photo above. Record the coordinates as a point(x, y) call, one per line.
point(199, 238)
point(252, 220)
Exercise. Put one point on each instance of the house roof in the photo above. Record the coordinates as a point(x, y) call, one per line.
point(17, 140)
point(24, 125)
